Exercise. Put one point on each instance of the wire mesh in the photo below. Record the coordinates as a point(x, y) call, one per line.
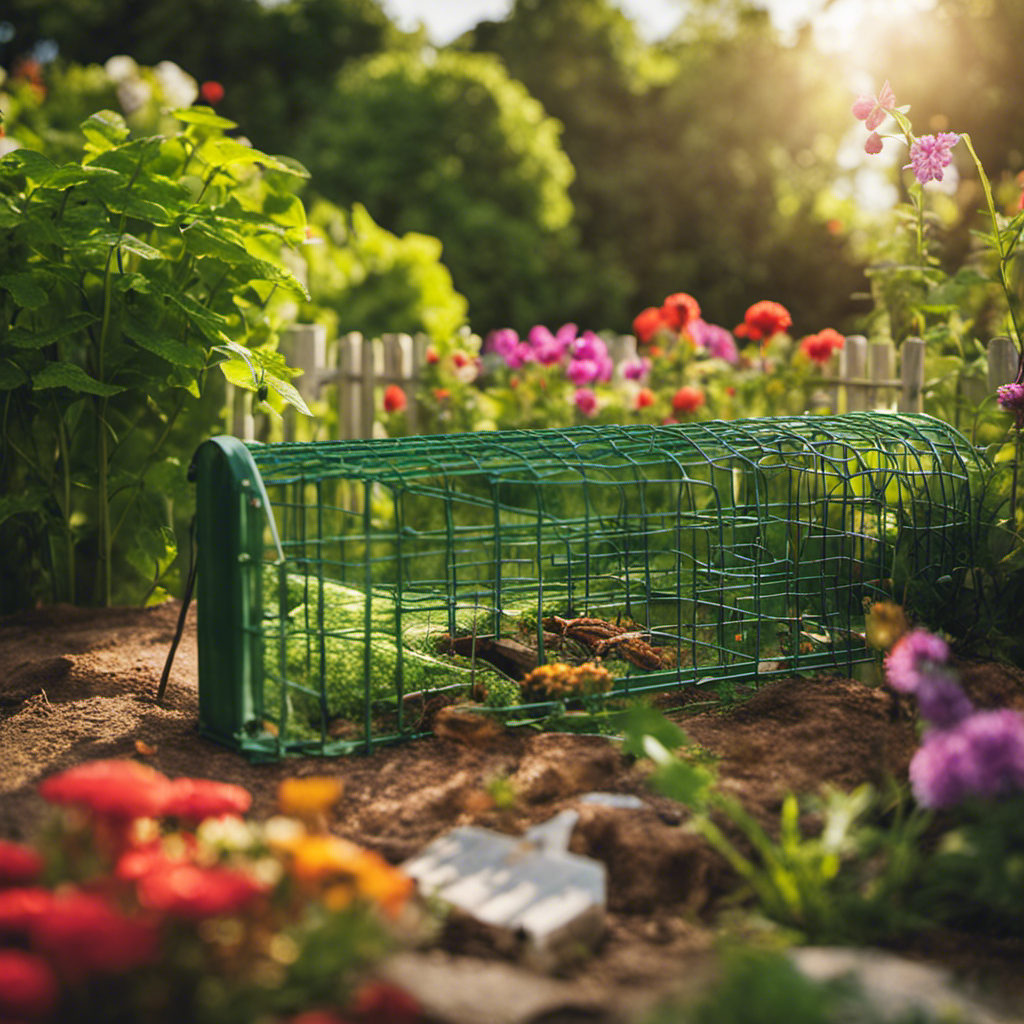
point(374, 577)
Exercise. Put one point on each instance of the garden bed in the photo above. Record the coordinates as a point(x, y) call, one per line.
point(78, 684)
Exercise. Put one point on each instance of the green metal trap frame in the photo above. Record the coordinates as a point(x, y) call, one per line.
point(342, 584)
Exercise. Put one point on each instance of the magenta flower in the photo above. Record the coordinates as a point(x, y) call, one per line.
point(873, 144)
point(941, 701)
point(1011, 398)
point(915, 656)
point(872, 110)
point(549, 348)
point(586, 401)
point(636, 368)
point(582, 371)
point(930, 154)
point(716, 341)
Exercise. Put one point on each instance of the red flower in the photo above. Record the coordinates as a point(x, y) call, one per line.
point(83, 934)
point(196, 799)
point(28, 988)
point(460, 359)
point(764, 320)
point(20, 907)
point(644, 398)
point(648, 323)
point(687, 399)
point(318, 1017)
point(394, 398)
point(382, 1001)
point(115, 789)
point(820, 347)
point(193, 892)
point(18, 863)
point(679, 310)
point(442, 394)
point(212, 92)
point(431, 355)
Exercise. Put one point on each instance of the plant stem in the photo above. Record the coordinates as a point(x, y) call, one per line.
point(998, 238)
point(65, 465)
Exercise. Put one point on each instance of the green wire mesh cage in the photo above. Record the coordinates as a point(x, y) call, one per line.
point(344, 586)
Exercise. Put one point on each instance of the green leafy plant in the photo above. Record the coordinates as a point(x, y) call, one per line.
point(128, 274)
point(843, 881)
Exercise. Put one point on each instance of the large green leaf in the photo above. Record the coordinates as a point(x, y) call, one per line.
point(174, 351)
point(127, 242)
point(24, 337)
point(73, 174)
point(10, 212)
point(35, 167)
point(104, 130)
point(11, 376)
point(30, 500)
point(203, 116)
point(288, 393)
point(225, 152)
point(71, 375)
point(25, 289)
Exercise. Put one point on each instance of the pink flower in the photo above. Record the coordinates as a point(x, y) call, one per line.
point(636, 368)
point(872, 110)
point(1011, 398)
point(549, 348)
point(915, 656)
point(930, 154)
point(716, 341)
point(586, 401)
point(873, 144)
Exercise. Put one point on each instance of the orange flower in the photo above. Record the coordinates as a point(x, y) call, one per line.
point(763, 320)
point(309, 796)
point(644, 398)
point(687, 399)
point(431, 355)
point(680, 309)
point(819, 347)
point(648, 323)
point(394, 399)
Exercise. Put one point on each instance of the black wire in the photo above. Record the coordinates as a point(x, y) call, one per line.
point(193, 564)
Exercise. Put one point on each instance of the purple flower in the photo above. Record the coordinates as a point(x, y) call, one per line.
point(1011, 398)
point(916, 655)
point(941, 701)
point(636, 368)
point(930, 154)
point(549, 348)
point(716, 341)
point(589, 346)
point(981, 756)
point(586, 401)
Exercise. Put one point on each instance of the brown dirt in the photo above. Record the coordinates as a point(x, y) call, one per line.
point(77, 684)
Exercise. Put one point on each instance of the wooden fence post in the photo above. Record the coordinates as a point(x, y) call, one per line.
point(1003, 362)
point(881, 364)
point(912, 375)
point(853, 359)
point(304, 346)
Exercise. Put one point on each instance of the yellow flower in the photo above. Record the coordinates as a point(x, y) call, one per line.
point(310, 796)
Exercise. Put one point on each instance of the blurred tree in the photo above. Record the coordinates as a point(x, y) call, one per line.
point(448, 145)
point(272, 59)
point(701, 163)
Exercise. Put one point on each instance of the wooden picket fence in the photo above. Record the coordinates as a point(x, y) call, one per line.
point(861, 376)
